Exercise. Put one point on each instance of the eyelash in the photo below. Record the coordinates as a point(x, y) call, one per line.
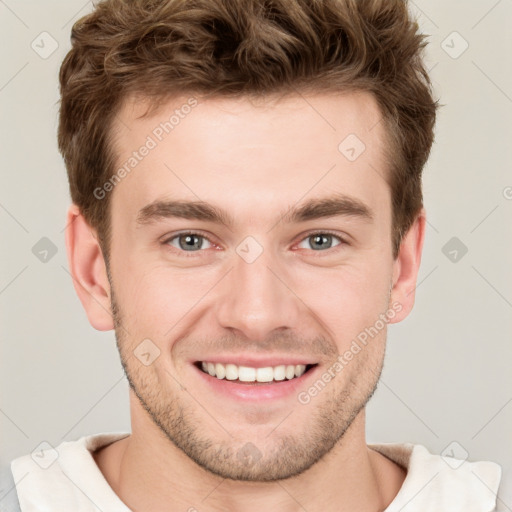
point(194, 254)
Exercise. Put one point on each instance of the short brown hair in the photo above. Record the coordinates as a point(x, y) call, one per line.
point(160, 48)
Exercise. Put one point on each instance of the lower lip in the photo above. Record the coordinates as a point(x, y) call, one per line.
point(257, 391)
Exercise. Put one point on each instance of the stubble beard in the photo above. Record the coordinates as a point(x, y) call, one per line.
point(276, 457)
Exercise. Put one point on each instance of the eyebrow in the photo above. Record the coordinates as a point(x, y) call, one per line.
point(332, 206)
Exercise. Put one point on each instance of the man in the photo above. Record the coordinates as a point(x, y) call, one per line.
point(247, 215)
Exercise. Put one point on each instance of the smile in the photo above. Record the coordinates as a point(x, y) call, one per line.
point(241, 374)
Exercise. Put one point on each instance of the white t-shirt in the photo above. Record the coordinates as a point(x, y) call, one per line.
point(67, 479)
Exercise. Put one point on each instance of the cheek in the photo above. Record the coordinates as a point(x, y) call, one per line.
point(155, 298)
point(347, 299)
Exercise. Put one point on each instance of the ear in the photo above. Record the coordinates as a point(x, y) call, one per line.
point(406, 267)
point(87, 267)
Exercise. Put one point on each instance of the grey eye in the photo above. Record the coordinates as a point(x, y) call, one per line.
point(320, 241)
point(189, 242)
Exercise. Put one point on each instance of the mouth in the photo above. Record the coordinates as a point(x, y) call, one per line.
point(237, 374)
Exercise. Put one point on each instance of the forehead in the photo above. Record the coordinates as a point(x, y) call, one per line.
point(238, 152)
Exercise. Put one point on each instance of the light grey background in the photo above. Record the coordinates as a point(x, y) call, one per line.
point(447, 373)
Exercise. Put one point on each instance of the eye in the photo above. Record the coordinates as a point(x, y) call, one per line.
point(193, 242)
point(321, 240)
point(188, 242)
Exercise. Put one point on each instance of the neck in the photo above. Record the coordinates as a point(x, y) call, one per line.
point(149, 473)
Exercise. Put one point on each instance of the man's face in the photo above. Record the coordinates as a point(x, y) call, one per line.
point(266, 289)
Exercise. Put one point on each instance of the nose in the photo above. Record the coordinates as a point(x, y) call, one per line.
point(256, 299)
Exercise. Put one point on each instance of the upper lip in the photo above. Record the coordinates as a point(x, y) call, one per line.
point(257, 362)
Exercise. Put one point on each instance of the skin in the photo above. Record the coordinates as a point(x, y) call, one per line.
point(255, 160)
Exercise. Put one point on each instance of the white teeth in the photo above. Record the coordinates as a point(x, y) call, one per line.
point(279, 372)
point(299, 369)
point(290, 371)
point(247, 374)
point(220, 371)
point(265, 374)
point(231, 372)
